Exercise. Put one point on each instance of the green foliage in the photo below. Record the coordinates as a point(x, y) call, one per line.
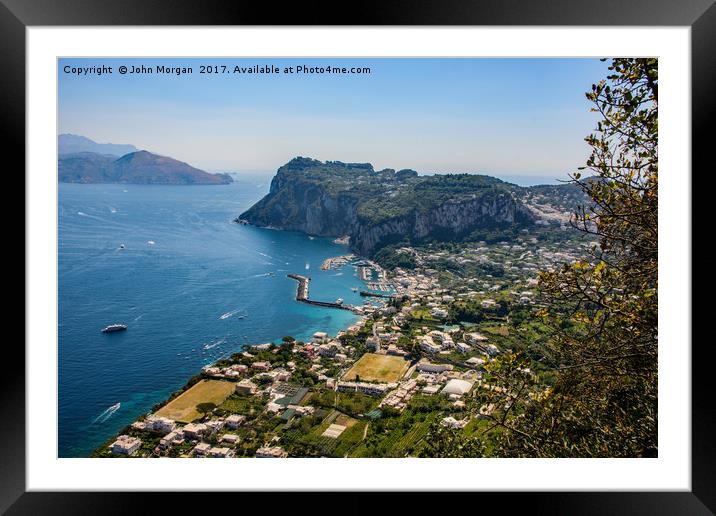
point(442, 442)
point(205, 408)
point(603, 310)
point(390, 258)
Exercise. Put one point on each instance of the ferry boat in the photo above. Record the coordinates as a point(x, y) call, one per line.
point(114, 327)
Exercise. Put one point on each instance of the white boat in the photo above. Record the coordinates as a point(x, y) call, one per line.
point(114, 327)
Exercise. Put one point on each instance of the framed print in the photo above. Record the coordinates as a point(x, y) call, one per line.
point(429, 251)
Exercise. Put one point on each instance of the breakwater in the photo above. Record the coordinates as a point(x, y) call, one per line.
point(302, 294)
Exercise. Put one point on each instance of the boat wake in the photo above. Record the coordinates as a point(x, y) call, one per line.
point(232, 313)
point(104, 416)
point(214, 344)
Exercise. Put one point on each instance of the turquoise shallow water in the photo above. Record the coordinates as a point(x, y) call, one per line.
point(203, 289)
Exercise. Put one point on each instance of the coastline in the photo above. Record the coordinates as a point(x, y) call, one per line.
point(199, 268)
point(355, 326)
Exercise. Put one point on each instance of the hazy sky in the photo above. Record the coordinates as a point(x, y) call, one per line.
point(499, 116)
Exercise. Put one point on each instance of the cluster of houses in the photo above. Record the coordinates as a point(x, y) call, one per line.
point(175, 435)
point(436, 341)
point(410, 282)
point(399, 398)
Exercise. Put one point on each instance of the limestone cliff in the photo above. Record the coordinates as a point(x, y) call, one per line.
point(378, 208)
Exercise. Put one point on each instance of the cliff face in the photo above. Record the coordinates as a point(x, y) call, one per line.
point(452, 220)
point(382, 208)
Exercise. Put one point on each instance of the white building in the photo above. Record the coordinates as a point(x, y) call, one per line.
point(475, 338)
point(194, 430)
point(220, 452)
point(126, 445)
point(457, 387)
point(462, 347)
point(172, 438)
point(235, 421)
point(271, 453)
point(431, 389)
point(425, 366)
point(201, 449)
point(320, 337)
point(373, 389)
point(229, 438)
point(492, 349)
point(440, 313)
point(427, 344)
point(160, 425)
point(215, 425)
point(246, 387)
point(475, 361)
point(451, 422)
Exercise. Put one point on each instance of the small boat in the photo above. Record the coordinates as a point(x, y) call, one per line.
point(114, 327)
point(339, 301)
point(121, 246)
point(354, 289)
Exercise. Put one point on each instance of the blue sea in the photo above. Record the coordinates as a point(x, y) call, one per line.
point(191, 285)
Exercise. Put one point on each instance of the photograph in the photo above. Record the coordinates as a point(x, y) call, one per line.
point(357, 257)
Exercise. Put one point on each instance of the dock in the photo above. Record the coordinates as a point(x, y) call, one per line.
point(302, 294)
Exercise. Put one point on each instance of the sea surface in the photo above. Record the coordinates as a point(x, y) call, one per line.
point(191, 285)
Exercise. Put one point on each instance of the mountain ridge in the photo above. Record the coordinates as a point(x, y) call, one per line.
point(68, 143)
point(380, 208)
point(139, 167)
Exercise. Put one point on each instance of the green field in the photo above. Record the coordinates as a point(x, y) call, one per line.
point(183, 407)
point(377, 368)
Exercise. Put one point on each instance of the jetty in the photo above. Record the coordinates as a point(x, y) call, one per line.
point(302, 294)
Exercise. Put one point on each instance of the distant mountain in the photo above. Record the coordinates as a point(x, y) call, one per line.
point(73, 143)
point(139, 167)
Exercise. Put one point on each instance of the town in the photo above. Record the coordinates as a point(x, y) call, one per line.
point(417, 359)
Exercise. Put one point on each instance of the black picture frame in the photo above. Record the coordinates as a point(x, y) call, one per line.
point(700, 15)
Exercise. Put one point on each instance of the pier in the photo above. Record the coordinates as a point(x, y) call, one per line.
point(302, 294)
